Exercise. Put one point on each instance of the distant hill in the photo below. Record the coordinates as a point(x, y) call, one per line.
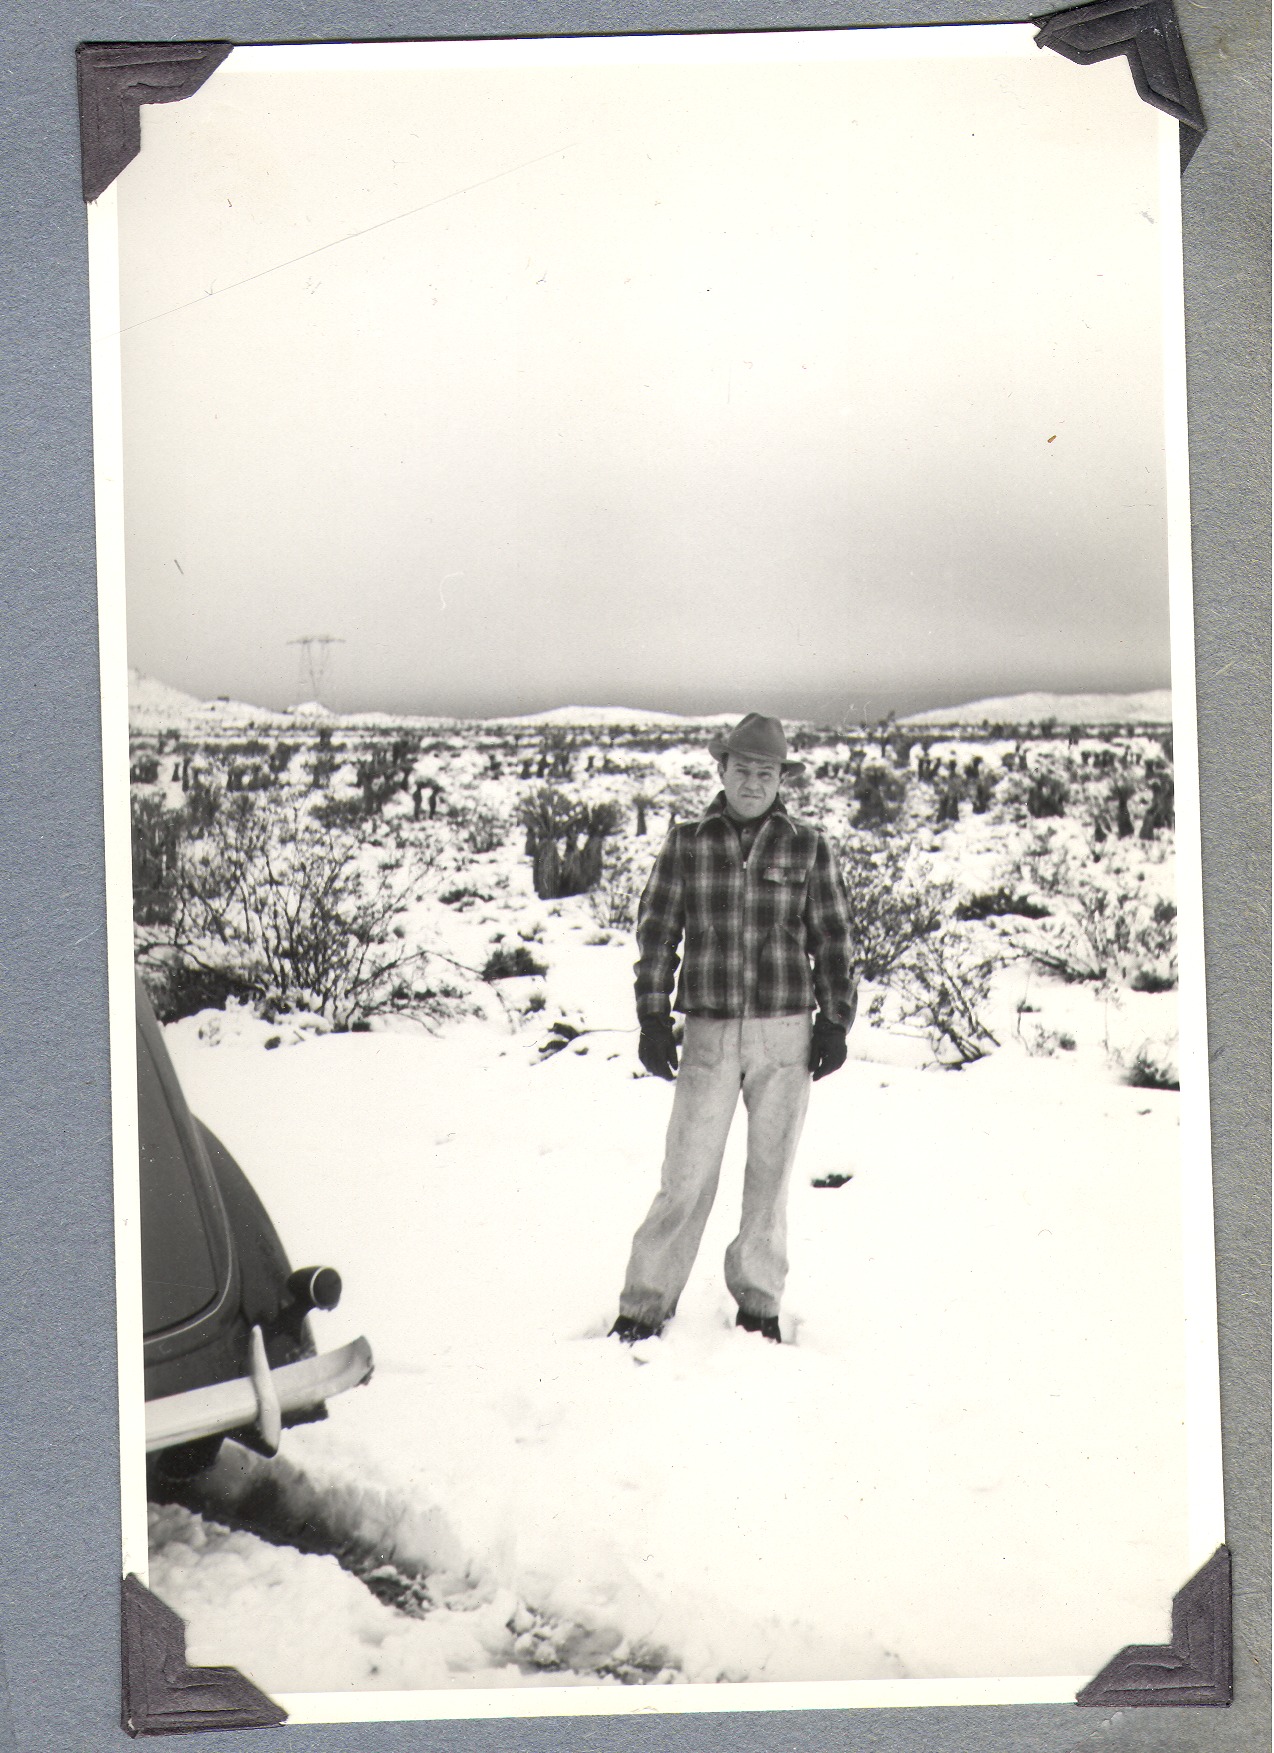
point(153, 705)
point(618, 715)
point(1153, 707)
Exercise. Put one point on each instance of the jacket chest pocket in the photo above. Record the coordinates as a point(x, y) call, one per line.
point(782, 887)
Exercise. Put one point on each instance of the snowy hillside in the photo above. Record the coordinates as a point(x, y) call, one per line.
point(154, 706)
point(1154, 707)
point(592, 716)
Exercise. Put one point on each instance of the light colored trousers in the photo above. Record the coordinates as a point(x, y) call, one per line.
point(767, 1058)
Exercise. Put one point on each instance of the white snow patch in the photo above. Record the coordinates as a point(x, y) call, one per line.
point(969, 1463)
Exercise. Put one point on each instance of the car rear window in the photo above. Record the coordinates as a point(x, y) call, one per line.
point(178, 1277)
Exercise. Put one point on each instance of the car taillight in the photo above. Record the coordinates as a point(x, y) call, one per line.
point(315, 1287)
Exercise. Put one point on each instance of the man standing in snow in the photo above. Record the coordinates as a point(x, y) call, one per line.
point(754, 902)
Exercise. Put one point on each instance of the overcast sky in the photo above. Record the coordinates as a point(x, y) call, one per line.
point(822, 388)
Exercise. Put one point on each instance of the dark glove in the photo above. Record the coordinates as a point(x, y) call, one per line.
point(657, 1049)
point(828, 1049)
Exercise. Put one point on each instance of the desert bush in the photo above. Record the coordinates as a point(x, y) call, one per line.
point(1047, 864)
point(1152, 980)
point(1153, 1067)
point(995, 903)
point(462, 897)
point(177, 989)
point(894, 902)
point(511, 962)
point(287, 910)
point(943, 983)
point(344, 814)
point(203, 801)
point(478, 827)
point(1046, 795)
point(321, 769)
point(156, 838)
point(880, 794)
point(1043, 1043)
point(1101, 932)
point(615, 897)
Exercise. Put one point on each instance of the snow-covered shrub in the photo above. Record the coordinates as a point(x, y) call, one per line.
point(894, 901)
point(1048, 864)
point(291, 912)
point(943, 984)
point(179, 990)
point(157, 835)
point(203, 802)
point(996, 903)
point(462, 897)
point(1045, 1043)
point(1154, 1067)
point(1106, 932)
point(479, 828)
point(319, 771)
point(1047, 795)
point(279, 758)
point(511, 962)
point(1108, 919)
point(615, 897)
point(880, 794)
point(345, 814)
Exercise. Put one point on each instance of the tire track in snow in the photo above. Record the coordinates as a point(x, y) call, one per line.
point(277, 1502)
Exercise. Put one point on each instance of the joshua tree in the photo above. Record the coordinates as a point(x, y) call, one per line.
point(1162, 810)
point(1121, 793)
point(564, 841)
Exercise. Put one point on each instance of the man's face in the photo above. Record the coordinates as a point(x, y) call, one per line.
point(750, 783)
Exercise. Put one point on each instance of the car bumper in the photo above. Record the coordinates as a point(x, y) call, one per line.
point(260, 1401)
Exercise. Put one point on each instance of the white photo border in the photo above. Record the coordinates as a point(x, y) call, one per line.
point(1205, 1503)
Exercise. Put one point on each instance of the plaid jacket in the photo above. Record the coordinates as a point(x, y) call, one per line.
point(768, 936)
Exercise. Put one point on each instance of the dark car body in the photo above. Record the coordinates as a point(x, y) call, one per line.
point(228, 1347)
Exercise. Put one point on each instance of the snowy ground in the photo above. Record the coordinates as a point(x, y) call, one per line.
point(969, 1462)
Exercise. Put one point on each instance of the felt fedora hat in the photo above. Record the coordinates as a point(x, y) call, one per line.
point(758, 736)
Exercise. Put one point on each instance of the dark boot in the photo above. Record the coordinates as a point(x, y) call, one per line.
point(630, 1332)
point(766, 1325)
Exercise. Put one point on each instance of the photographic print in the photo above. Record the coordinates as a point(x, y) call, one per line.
point(653, 849)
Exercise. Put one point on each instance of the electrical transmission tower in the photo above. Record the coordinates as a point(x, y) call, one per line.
point(314, 657)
